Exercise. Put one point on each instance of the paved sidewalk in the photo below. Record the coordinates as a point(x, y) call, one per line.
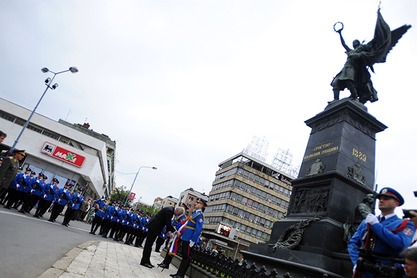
point(106, 259)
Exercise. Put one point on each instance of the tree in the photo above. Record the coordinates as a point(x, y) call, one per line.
point(120, 194)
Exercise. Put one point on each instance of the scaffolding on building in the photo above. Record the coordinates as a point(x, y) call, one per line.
point(283, 162)
point(257, 148)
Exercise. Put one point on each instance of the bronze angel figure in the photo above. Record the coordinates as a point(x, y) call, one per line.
point(355, 75)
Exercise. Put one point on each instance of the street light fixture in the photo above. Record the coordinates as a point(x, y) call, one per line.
point(137, 173)
point(48, 81)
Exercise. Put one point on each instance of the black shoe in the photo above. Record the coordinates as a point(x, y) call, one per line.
point(50, 220)
point(176, 276)
point(92, 233)
point(104, 236)
point(148, 265)
point(6, 207)
point(22, 211)
point(35, 215)
point(163, 265)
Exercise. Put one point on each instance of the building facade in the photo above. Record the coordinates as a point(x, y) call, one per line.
point(69, 152)
point(169, 201)
point(190, 197)
point(247, 195)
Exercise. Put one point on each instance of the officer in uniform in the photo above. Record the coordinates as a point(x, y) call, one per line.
point(191, 235)
point(12, 197)
point(8, 171)
point(385, 235)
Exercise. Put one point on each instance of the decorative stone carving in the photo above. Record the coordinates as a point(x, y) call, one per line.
point(355, 172)
point(293, 235)
point(316, 168)
point(310, 200)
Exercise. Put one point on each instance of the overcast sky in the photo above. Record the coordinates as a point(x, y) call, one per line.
point(184, 85)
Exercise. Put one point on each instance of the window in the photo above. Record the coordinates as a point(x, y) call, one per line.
point(233, 196)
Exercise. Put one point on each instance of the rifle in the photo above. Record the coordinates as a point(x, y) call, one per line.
point(358, 273)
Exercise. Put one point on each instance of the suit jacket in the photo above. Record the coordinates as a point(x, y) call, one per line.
point(162, 219)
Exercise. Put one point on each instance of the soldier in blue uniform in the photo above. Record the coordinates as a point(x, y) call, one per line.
point(64, 197)
point(191, 235)
point(25, 191)
point(138, 227)
point(144, 223)
point(101, 206)
point(385, 235)
point(36, 191)
point(130, 234)
point(110, 219)
point(77, 199)
point(49, 194)
point(125, 217)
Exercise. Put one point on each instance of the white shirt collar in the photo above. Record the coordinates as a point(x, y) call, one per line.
point(387, 216)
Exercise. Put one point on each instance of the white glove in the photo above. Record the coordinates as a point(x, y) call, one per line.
point(191, 243)
point(354, 268)
point(371, 219)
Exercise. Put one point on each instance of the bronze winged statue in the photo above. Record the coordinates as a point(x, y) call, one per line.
point(355, 75)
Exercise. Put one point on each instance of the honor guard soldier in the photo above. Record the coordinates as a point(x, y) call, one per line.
point(36, 191)
point(192, 231)
point(382, 238)
point(101, 206)
point(71, 212)
point(25, 193)
point(49, 193)
point(64, 197)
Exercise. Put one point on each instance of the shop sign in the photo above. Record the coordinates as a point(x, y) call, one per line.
point(63, 154)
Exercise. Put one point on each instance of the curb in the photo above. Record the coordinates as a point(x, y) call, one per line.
point(60, 267)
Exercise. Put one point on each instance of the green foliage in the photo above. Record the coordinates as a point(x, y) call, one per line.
point(120, 194)
point(153, 210)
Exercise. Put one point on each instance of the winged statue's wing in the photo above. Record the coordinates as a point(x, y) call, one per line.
point(384, 40)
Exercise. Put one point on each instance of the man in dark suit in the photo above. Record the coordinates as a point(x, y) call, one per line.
point(156, 224)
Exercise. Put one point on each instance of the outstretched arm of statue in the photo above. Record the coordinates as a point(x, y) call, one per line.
point(343, 41)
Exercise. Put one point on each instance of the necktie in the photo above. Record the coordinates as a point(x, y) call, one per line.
point(382, 218)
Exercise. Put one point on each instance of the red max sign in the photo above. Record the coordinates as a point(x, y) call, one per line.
point(63, 154)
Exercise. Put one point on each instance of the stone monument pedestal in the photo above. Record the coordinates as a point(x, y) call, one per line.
point(336, 173)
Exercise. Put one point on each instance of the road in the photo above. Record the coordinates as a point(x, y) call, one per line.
point(30, 245)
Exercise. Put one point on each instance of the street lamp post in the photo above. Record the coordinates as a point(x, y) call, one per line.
point(48, 81)
point(137, 173)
